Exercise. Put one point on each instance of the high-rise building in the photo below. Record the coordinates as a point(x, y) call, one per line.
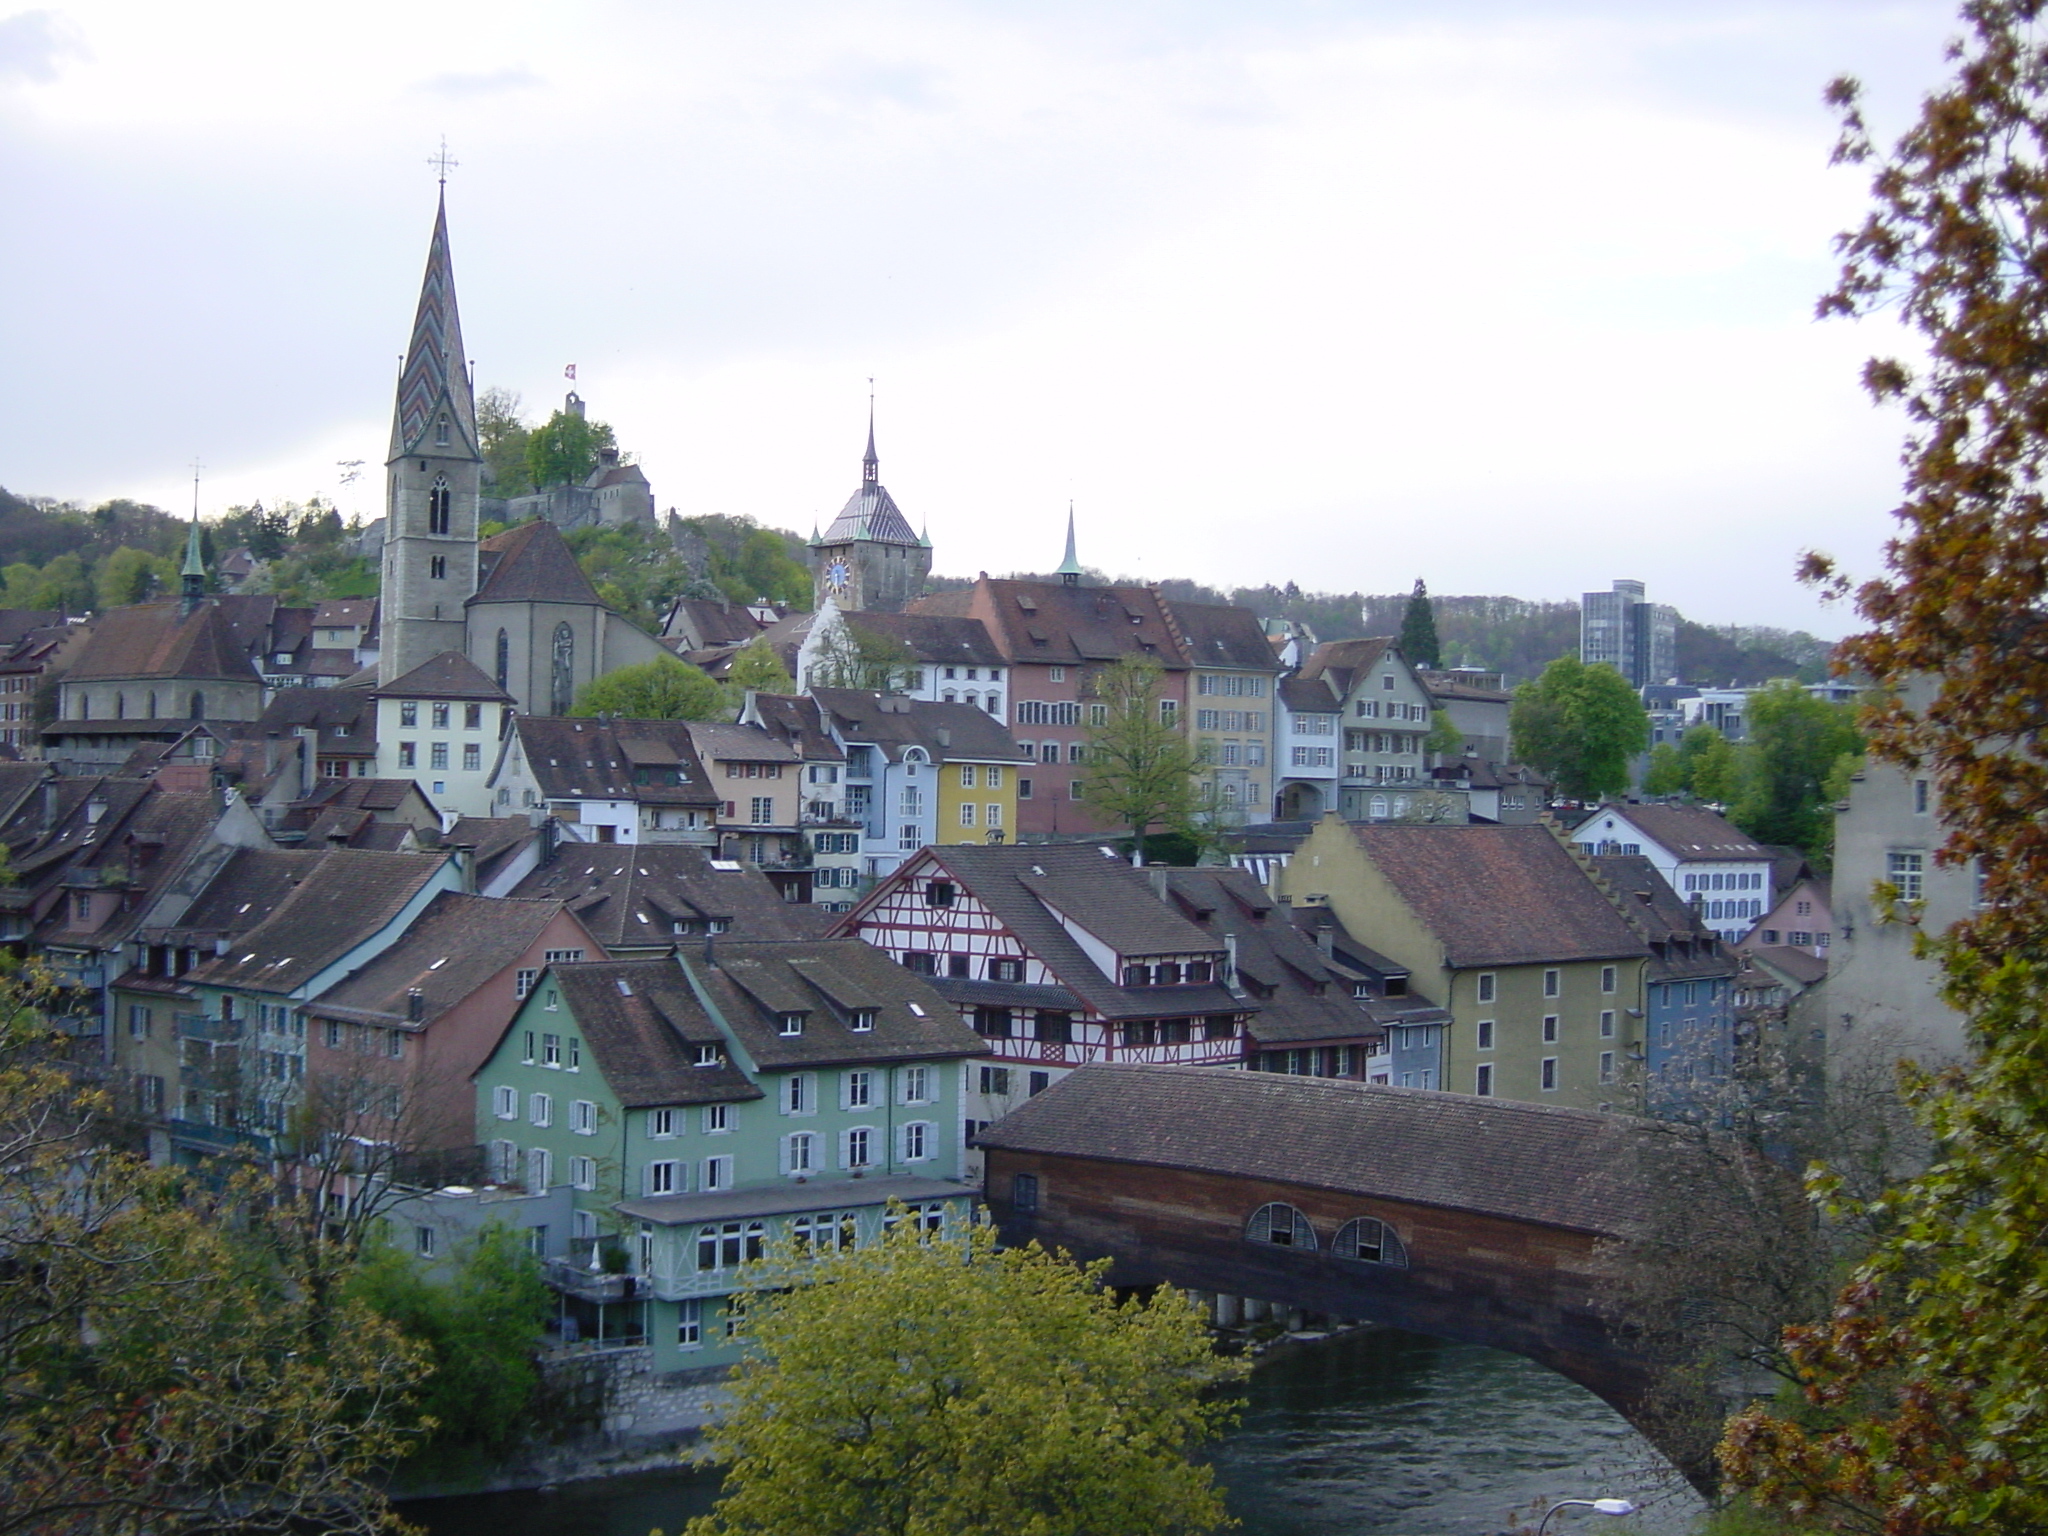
point(1636, 637)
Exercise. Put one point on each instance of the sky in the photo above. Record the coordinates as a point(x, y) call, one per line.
point(1514, 296)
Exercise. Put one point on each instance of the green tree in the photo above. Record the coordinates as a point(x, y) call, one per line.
point(1666, 773)
point(1445, 739)
point(502, 436)
point(563, 449)
point(756, 669)
point(1141, 771)
point(1793, 741)
point(480, 1324)
point(1581, 725)
point(1707, 759)
point(849, 656)
point(1418, 629)
point(133, 576)
point(914, 1388)
point(661, 689)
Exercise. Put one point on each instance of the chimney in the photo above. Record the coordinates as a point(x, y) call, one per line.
point(415, 1005)
point(944, 736)
point(1157, 875)
point(336, 838)
point(1230, 962)
point(465, 865)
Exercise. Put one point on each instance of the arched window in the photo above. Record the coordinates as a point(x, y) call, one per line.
point(437, 506)
point(1282, 1225)
point(1369, 1242)
point(563, 693)
point(504, 658)
point(198, 706)
point(1378, 809)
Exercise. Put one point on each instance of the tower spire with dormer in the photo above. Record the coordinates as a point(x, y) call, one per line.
point(1069, 572)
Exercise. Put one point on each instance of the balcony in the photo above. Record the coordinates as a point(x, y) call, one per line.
point(200, 1026)
point(578, 1280)
point(702, 837)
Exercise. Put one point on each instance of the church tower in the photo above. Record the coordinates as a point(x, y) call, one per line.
point(434, 476)
point(869, 558)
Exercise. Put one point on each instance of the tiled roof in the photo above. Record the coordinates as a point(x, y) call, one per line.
point(242, 892)
point(933, 639)
point(345, 613)
point(386, 795)
point(346, 898)
point(711, 621)
point(16, 623)
point(599, 759)
point(797, 720)
point(450, 675)
point(633, 895)
point(346, 719)
point(453, 947)
point(948, 732)
point(1798, 965)
point(827, 980)
point(156, 640)
point(1690, 831)
point(1525, 1162)
point(1046, 622)
point(1309, 695)
point(1212, 635)
point(871, 513)
point(1343, 662)
point(1681, 944)
point(1101, 893)
point(641, 1020)
point(531, 564)
point(495, 838)
point(1498, 895)
point(436, 371)
point(143, 849)
point(726, 742)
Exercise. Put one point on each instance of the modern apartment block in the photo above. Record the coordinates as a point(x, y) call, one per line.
point(1627, 632)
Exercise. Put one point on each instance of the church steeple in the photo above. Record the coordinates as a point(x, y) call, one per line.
point(1069, 572)
point(870, 466)
point(436, 409)
point(192, 580)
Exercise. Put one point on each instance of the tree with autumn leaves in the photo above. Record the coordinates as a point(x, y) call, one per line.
point(1925, 1403)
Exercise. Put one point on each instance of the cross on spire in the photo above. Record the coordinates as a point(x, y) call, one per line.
point(443, 161)
point(870, 466)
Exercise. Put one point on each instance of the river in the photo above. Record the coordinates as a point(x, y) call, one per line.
point(1375, 1431)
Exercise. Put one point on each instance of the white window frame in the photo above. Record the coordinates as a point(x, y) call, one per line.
point(916, 1141)
point(540, 1109)
point(664, 1176)
point(1547, 1074)
point(914, 1085)
point(583, 1117)
point(800, 1093)
point(717, 1119)
point(583, 1172)
point(718, 1173)
point(662, 1124)
point(857, 1089)
point(866, 1147)
point(1485, 987)
point(797, 1155)
point(505, 1102)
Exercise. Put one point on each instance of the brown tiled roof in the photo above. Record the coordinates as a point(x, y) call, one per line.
point(450, 675)
point(142, 847)
point(826, 980)
point(351, 712)
point(242, 892)
point(934, 639)
point(360, 795)
point(597, 759)
point(1498, 895)
point(456, 945)
point(726, 742)
point(1682, 946)
point(346, 898)
point(16, 623)
point(495, 838)
point(531, 564)
point(712, 621)
point(1343, 662)
point(1037, 621)
point(1799, 965)
point(797, 720)
point(1691, 831)
point(641, 1019)
point(1213, 635)
point(344, 613)
point(1100, 892)
point(1309, 695)
point(156, 640)
point(894, 723)
point(632, 895)
point(1538, 1163)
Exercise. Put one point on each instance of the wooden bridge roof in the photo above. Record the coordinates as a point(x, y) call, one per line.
point(1524, 1162)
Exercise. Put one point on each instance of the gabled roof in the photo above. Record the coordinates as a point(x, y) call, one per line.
point(574, 759)
point(827, 980)
point(727, 742)
point(796, 720)
point(892, 722)
point(436, 371)
point(158, 640)
point(345, 899)
point(1498, 895)
point(1344, 663)
point(1689, 831)
point(345, 613)
point(934, 639)
point(1022, 885)
point(1036, 621)
point(450, 675)
point(531, 564)
point(1681, 944)
point(141, 852)
point(1537, 1163)
point(242, 892)
point(642, 1023)
point(495, 839)
point(344, 718)
point(1798, 967)
point(712, 621)
point(634, 895)
point(1309, 695)
point(1212, 635)
point(453, 947)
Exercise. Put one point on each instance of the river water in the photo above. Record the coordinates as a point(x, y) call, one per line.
point(1374, 1431)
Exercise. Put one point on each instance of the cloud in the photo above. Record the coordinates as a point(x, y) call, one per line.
point(31, 43)
point(494, 82)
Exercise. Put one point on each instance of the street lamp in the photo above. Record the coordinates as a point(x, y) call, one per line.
point(1602, 1506)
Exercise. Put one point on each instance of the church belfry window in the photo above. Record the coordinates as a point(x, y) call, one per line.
point(441, 431)
point(437, 506)
point(504, 658)
point(563, 693)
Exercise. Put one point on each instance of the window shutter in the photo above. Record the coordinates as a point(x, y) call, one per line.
point(846, 1090)
point(845, 1149)
point(646, 1179)
point(782, 1154)
point(1260, 1229)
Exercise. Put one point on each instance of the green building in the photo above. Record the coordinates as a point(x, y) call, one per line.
point(705, 1107)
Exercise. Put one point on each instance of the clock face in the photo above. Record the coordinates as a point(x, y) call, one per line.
point(837, 575)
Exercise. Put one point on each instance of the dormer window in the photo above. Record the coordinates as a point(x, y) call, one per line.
point(1137, 975)
point(1197, 972)
point(708, 1056)
point(861, 1021)
point(788, 1024)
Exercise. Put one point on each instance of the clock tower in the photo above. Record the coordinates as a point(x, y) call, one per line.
point(869, 558)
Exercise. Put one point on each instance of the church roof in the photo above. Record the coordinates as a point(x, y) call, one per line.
point(436, 372)
point(148, 640)
point(531, 564)
point(450, 675)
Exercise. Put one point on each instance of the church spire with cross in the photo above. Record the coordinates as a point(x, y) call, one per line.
point(1069, 572)
point(870, 557)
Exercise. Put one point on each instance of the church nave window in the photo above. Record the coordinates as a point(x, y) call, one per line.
point(504, 657)
point(437, 507)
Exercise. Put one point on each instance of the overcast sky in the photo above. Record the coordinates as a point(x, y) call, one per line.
point(1515, 297)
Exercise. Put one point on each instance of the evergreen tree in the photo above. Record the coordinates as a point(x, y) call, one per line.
point(1418, 629)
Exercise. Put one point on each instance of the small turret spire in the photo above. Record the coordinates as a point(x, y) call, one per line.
point(870, 466)
point(1069, 572)
point(192, 579)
